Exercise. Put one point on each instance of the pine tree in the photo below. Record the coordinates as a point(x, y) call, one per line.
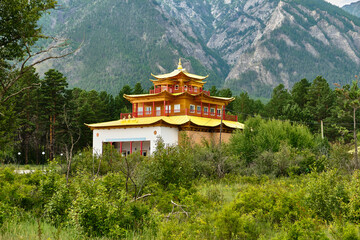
point(320, 99)
point(351, 97)
point(52, 102)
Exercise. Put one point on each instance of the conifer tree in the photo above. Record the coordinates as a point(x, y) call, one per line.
point(351, 97)
point(52, 101)
point(320, 99)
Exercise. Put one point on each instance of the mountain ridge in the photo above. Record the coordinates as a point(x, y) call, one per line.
point(249, 45)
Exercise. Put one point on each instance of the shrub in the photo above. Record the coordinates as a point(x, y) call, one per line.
point(306, 228)
point(326, 195)
point(98, 213)
point(353, 206)
point(260, 135)
point(170, 165)
point(234, 225)
point(56, 210)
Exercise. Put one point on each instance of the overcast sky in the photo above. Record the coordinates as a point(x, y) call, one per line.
point(341, 3)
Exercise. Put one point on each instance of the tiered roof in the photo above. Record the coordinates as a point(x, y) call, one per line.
point(180, 72)
point(172, 120)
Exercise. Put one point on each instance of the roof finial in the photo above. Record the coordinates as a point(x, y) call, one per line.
point(179, 65)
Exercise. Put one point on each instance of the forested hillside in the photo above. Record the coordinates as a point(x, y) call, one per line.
point(251, 45)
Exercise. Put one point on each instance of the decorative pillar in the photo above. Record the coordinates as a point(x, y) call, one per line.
point(209, 110)
point(131, 147)
point(216, 111)
point(121, 148)
point(153, 109)
point(143, 109)
point(164, 107)
point(141, 145)
point(201, 111)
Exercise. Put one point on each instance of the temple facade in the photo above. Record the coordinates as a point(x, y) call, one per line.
point(177, 106)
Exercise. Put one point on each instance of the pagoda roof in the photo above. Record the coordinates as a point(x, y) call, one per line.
point(179, 72)
point(172, 120)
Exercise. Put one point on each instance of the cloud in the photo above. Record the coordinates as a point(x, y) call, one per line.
point(341, 3)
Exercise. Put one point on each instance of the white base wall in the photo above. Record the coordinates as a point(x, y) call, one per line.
point(114, 135)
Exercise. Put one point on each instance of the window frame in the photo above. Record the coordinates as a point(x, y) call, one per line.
point(192, 110)
point(207, 110)
point(177, 110)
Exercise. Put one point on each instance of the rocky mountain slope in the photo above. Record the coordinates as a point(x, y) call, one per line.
point(250, 45)
point(353, 8)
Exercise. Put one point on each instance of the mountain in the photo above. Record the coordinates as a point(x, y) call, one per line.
point(250, 45)
point(353, 8)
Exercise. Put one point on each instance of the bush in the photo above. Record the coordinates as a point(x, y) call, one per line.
point(340, 158)
point(306, 228)
point(171, 165)
point(353, 207)
point(99, 213)
point(260, 135)
point(287, 162)
point(326, 195)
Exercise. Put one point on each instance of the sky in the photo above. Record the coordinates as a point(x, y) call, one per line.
point(341, 3)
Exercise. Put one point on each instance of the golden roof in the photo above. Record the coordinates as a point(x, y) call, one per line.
point(180, 70)
point(172, 120)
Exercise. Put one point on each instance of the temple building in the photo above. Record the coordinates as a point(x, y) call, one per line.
point(176, 106)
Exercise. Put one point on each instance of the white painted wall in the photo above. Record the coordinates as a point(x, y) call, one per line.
point(169, 135)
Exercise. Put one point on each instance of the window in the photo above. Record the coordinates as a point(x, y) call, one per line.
point(148, 110)
point(140, 110)
point(168, 108)
point(195, 89)
point(212, 111)
point(176, 87)
point(185, 88)
point(206, 109)
point(176, 108)
point(158, 111)
point(198, 108)
point(219, 112)
point(192, 108)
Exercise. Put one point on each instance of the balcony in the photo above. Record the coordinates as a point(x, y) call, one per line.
point(181, 112)
point(179, 90)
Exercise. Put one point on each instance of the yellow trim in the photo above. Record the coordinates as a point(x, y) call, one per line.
point(176, 72)
point(173, 120)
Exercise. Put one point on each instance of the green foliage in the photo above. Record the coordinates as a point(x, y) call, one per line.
point(326, 195)
point(18, 26)
point(260, 135)
point(306, 228)
point(170, 165)
point(320, 99)
point(97, 213)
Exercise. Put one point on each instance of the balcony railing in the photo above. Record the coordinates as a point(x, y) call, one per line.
point(179, 90)
point(189, 112)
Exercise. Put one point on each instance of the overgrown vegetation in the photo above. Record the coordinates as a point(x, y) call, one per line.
point(274, 180)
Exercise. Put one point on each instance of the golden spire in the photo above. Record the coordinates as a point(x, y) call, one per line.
point(179, 65)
